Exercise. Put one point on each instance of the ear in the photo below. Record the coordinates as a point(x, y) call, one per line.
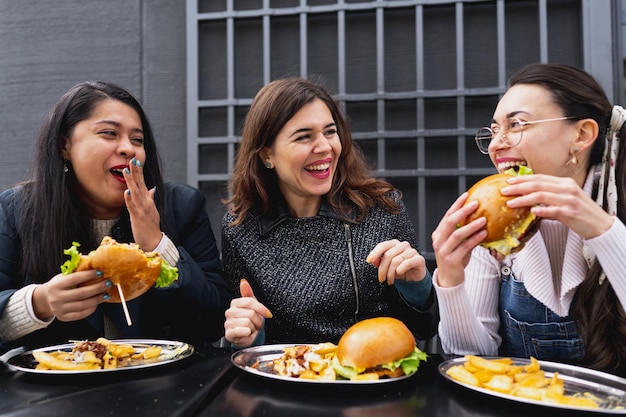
point(265, 155)
point(587, 134)
point(65, 148)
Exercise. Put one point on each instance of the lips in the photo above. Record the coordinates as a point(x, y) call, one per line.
point(118, 172)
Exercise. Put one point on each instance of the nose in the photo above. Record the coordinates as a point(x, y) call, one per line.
point(322, 145)
point(498, 140)
point(125, 147)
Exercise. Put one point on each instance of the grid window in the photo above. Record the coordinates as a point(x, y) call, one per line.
point(416, 78)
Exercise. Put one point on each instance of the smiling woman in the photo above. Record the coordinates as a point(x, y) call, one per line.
point(97, 173)
point(308, 226)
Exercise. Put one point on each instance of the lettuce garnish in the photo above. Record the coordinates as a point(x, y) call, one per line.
point(71, 264)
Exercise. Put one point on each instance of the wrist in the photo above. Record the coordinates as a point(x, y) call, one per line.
point(41, 307)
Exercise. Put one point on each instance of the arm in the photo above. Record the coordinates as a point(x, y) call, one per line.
point(469, 311)
point(198, 299)
point(611, 253)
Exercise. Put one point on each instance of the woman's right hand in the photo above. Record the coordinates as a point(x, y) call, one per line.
point(453, 245)
point(244, 318)
point(70, 297)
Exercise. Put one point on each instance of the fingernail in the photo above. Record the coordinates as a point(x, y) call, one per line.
point(133, 161)
point(126, 170)
point(369, 260)
point(106, 297)
point(137, 163)
point(108, 283)
point(98, 273)
point(268, 314)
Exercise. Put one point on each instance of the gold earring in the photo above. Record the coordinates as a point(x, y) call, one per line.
point(574, 160)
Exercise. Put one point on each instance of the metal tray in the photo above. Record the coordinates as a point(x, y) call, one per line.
point(608, 390)
point(244, 359)
point(171, 352)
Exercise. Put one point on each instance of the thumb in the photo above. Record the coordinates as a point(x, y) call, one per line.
point(245, 289)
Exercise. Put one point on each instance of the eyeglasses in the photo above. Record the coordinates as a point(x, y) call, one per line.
point(511, 132)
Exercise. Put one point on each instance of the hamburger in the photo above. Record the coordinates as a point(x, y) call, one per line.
point(125, 264)
point(375, 348)
point(508, 229)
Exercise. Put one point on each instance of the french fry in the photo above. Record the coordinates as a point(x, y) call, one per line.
point(52, 362)
point(526, 381)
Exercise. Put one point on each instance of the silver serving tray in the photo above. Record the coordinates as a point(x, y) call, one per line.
point(171, 351)
point(608, 390)
point(264, 355)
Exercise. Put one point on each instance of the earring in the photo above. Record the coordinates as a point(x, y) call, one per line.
point(574, 159)
point(65, 168)
point(268, 165)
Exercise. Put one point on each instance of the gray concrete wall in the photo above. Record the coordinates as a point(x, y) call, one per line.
point(48, 46)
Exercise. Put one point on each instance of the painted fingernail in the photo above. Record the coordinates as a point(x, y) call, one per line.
point(108, 283)
point(106, 297)
point(137, 162)
point(98, 273)
point(268, 314)
point(126, 170)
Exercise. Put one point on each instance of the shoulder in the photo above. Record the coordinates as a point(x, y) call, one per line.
point(179, 193)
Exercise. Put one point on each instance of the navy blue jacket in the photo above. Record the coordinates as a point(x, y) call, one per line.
point(191, 310)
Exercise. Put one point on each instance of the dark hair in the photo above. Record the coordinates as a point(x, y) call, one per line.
point(254, 187)
point(52, 215)
point(600, 316)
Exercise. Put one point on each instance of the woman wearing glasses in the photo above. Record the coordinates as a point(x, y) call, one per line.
point(562, 296)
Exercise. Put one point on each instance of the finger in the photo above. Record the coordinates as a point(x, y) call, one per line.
point(246, 291)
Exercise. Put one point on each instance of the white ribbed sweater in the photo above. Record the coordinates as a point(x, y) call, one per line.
point(551, 266)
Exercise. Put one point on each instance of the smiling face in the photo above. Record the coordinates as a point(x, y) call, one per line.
point(98, 149)
point(545, 147)
point(305, 154)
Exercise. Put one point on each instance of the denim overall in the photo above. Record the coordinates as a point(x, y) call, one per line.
point(528, 328)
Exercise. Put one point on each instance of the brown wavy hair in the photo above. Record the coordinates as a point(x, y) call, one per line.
point(255, 188)
point(600, 317)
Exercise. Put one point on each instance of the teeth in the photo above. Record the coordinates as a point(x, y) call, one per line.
point(506, 165)
point(320, 167)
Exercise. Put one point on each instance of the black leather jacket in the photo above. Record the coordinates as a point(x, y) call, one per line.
point(191, 310)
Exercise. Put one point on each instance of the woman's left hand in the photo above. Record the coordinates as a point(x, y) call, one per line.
point(144, 216)
point(397, 260)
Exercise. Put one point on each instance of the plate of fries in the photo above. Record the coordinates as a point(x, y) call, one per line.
point(301, 363)
point(101, 355)
point(537, 382)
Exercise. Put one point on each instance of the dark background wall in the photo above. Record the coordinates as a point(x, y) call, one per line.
point(48, 46)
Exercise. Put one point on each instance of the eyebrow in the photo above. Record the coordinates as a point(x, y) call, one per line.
point(116, 124)
point(308, 129)
point(511, 114)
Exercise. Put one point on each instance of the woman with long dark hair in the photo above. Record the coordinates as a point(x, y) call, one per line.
point(562, 296)
point(96, 172)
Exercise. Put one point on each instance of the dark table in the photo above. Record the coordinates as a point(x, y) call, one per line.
point(207, 384)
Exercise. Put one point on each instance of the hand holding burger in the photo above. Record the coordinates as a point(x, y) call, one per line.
point(508, 229)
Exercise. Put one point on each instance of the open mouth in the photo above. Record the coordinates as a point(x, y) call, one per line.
point(511, 164)
point(117, 172)
point(318, 167)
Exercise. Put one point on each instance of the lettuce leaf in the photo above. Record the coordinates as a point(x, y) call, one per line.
point(167, 276)
point(409, 364)
point(522, 170)
point(71, 264)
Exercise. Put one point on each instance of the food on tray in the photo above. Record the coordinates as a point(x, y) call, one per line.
point(508, 229)
point(381, 347)
point(527, 381)
point(124, 264)
point(92, 355)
